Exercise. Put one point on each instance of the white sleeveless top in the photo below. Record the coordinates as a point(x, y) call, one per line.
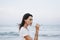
point(23, 32)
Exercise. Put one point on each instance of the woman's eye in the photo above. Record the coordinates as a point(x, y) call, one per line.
point(30, 19)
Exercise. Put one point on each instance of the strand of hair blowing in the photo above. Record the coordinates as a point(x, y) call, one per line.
point(21, 25)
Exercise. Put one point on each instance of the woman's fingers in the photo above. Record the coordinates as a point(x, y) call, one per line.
point(37, 27)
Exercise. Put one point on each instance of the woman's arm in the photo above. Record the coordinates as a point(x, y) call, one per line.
point(37, 31)
point(36, 36)
point(27, 37)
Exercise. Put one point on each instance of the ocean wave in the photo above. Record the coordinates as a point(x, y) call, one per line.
point(9, 34)
point(46, 35)
point(17, 34)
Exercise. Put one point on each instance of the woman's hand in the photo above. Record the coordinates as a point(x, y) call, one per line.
point(37, 27)
point(37, 30)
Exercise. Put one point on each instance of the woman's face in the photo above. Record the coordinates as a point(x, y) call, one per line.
point(29, 20)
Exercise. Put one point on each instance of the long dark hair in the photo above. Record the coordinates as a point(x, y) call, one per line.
point(24, 18)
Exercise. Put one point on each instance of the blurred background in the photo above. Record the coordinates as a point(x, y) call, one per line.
point(45, 12)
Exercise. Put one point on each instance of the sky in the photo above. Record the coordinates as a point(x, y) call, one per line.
point(46, 12)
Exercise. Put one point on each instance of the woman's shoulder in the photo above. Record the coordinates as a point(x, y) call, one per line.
point(23, 29)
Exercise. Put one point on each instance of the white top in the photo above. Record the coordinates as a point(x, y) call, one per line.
point(23, 32)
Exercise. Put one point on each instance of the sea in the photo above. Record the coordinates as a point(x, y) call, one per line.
point(46, 32)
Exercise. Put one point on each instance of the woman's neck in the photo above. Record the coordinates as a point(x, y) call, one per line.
point(25, 26)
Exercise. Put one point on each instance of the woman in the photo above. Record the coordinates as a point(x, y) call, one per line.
point(24, 32)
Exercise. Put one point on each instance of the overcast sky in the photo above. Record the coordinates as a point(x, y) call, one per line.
point(46, 12)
